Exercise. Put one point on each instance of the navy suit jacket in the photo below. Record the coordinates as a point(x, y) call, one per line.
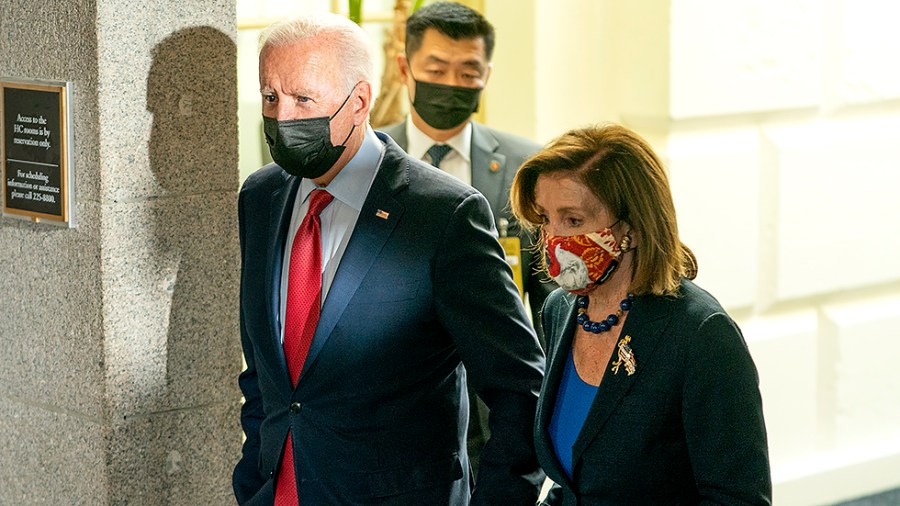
point(378, 415)
point(686, 428)
point(496, 156)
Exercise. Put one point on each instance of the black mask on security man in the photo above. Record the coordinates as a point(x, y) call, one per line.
point(443, 106)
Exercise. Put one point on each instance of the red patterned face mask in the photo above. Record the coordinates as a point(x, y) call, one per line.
point(578, 262)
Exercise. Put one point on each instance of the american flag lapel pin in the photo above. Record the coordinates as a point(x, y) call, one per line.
point(382, 214)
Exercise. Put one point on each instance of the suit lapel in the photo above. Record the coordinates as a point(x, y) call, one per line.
point(488, 167)
point(398, 133)
point(556, 360)
point(646, 322)
point(366, 242)
point(280, 210)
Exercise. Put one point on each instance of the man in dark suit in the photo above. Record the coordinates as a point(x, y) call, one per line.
point(354, 386)
point(445, 68)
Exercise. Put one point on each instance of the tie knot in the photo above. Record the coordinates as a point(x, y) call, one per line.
point(437, 152)
point(318, 200)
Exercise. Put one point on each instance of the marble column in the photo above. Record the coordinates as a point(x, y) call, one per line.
point(119, 345)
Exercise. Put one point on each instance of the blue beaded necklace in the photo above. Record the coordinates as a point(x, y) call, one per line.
point(604, 325)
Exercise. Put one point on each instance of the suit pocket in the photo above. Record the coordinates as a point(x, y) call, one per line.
point(416, 477)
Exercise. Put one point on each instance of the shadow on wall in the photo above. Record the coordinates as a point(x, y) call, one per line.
point(192, 94)
point(173, 450)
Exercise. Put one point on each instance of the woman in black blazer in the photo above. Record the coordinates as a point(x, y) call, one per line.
point(650, 394)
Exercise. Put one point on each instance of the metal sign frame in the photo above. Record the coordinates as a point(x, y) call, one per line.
point(32, 205)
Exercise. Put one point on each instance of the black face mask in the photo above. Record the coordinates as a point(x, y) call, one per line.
point(444, 107)
point(302, 147)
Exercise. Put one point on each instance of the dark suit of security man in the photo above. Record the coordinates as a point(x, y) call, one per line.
point(445, 68)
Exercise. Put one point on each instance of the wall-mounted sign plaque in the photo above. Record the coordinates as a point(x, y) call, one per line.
point(36, 142)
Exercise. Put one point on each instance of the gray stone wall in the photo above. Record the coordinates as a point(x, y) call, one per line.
point(119, 346)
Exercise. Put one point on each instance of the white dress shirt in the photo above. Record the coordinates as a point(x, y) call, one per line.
point(457, 162)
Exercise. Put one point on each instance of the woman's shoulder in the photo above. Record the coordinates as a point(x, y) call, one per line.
point(695, 302)
point(703, 321)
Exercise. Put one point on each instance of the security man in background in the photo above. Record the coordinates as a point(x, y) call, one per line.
point(445, 68)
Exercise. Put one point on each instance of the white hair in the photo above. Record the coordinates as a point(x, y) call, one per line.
point(352, 45)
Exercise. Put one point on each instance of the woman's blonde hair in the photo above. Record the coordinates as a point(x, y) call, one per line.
point(622, 170)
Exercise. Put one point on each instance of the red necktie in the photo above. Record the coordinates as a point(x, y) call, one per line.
point(304, 300)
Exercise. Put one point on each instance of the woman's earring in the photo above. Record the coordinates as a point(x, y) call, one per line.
point(625, 243)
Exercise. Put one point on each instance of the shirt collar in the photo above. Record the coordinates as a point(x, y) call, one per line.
point(418, 142)
point(351, 185)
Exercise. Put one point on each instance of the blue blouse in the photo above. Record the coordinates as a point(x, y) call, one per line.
point(573, 401)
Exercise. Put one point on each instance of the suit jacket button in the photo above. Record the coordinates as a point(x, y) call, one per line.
point(296, 407)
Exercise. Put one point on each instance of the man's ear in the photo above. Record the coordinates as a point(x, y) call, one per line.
point(362, 104)
point(487, 73)
point(403, 65)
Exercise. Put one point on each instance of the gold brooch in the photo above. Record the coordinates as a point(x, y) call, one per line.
point(626, 357)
